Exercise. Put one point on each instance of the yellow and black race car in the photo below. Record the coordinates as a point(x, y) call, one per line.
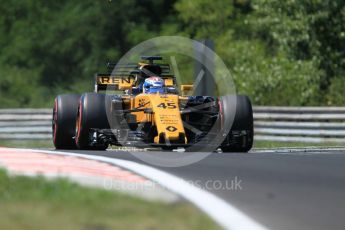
point(151, 111)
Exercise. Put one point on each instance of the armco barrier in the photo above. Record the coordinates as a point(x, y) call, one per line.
point(25, 124)
point(288, 124)
point(299, 124)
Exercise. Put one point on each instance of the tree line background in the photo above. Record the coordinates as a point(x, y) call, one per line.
point(288, 52)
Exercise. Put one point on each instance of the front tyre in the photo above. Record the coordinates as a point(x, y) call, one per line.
point(64, 118)
point(240, 137)
point(92, 114)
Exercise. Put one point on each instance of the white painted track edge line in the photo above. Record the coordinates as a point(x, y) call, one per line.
point(223, 213)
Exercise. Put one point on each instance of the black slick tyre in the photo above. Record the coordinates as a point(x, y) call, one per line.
point(92, 114)
point(64, 118)
point(240, 137)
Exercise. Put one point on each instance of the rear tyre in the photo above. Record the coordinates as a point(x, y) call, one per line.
point(64, 118)
point(240, 137)
point(92, 114)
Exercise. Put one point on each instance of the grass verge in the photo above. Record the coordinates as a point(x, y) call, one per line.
point(35, 203)
point(47, 144)
point(274, 144)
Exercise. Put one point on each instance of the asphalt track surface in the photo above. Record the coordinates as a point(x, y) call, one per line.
point(280, 189)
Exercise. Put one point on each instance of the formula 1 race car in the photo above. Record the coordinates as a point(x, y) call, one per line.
point(151, 111)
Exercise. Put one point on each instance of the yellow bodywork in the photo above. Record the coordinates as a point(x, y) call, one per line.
point(165, 114)
point(163, 110)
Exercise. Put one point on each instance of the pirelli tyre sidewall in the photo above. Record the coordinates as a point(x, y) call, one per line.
point(63, 122)
point(91, 115)
point(243, 122)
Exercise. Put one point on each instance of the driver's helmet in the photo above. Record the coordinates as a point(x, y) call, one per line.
point(153, 85)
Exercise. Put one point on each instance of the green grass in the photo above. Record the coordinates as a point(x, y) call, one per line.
point(273, 144)
point(35, 203)
point(47, 144)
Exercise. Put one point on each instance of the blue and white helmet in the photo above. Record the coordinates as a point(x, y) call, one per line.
point(153, 85)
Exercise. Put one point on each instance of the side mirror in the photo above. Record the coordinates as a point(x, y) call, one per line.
point(185, 89)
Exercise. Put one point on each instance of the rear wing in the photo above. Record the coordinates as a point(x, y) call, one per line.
point(111, 82)
point(123, 76)
point(119, 69)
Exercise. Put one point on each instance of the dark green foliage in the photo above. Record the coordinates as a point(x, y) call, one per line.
point(280, 52)
point(54, 47)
